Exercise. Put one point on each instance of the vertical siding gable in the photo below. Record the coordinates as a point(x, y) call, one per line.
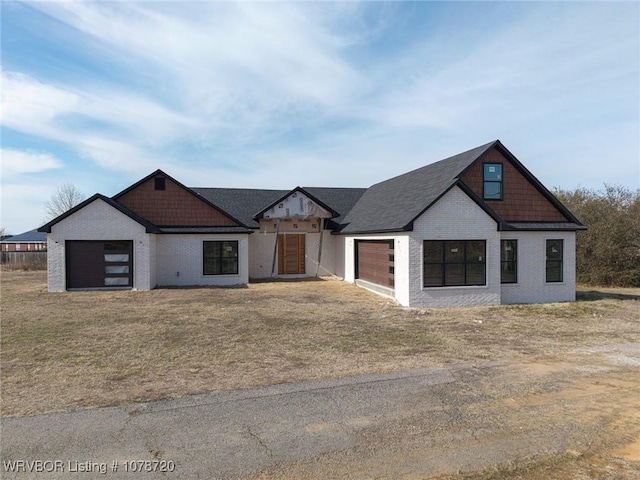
point(521, 200)
point(173, 206)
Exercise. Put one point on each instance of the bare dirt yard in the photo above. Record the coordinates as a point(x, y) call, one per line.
point(69, 351)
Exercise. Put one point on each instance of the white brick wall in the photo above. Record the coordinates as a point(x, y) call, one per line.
point(401, 261)
point(179, 260)
point(100, 221)
point(158, 258)
point(454, 217)
point(531, 263)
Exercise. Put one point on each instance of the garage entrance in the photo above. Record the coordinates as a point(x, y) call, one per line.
point(99, 264)
point(375, 262)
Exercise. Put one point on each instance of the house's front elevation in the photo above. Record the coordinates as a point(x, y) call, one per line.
point(474, 229)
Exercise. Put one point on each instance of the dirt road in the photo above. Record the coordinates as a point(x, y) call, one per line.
point(576, 418)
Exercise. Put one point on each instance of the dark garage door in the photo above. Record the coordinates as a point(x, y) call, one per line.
point(374, 262)
point(99, 264)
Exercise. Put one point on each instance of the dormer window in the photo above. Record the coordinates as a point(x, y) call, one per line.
point(492, 181)
point(160, 183)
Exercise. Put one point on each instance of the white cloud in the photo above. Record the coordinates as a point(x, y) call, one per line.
point(31, 106)
point(16, 162)
point(224, 64)
point(234, 81)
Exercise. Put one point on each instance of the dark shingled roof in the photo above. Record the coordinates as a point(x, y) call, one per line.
point(393, 204)
point(542, 226)
point(245, 203)
point(388, 206)
point(242, 203)
point(341, 200)
point(30, 236)
point(225, 229)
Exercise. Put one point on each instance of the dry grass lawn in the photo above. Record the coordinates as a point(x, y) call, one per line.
point(67, 351)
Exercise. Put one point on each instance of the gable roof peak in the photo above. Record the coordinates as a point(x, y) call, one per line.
point(463, 159)
point(393, 204)
point(260, 214)
point(149, 227)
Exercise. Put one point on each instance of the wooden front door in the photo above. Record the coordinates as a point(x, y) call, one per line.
point(291, 253)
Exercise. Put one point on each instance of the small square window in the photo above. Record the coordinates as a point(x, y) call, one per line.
point(159, 183)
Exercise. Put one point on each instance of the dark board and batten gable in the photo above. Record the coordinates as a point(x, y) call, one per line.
point(166, 202)
point(522, 200)
point(393, 205)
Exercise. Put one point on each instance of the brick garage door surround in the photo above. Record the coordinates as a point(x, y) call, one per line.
point(99, 264)
point(375, 262)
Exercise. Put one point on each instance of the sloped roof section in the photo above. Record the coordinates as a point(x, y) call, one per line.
point(150, 227)
point(543, 226)
point(173, 205)
point(394, 204)
point(242, 203)
point(245, 203)
point(30, 236)
point(341, 200)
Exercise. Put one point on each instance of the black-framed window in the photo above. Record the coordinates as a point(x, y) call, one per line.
point(449, 263)
point(508, 261)
point(555, 259)
point(220, 258)
point(492, 181)
point(159, 183)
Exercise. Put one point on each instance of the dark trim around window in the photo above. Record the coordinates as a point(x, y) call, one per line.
point(454, 263)
point(492, 177)
point(220, 257)
point(508, 261)
point(554, 260)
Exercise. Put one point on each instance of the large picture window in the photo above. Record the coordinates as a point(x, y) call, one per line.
point(508, 261)
point(492, 184)
point(555, 255)
point(220, 258)
point(449, 263)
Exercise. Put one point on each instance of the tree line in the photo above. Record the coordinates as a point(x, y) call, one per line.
point(608, 252)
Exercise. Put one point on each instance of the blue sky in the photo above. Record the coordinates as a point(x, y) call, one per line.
point(275, 95)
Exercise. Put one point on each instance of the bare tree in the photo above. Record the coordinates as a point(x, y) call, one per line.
point(64, 198)
point(608, 253)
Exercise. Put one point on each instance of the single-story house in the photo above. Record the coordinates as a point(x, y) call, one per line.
point(474, 229)
point(31, 241)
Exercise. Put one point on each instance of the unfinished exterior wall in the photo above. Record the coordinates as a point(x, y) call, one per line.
point(531, 286)
point(179, 260)
point(261, 246)
point(454, 217)
point(100, 221)
point(297, 205)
